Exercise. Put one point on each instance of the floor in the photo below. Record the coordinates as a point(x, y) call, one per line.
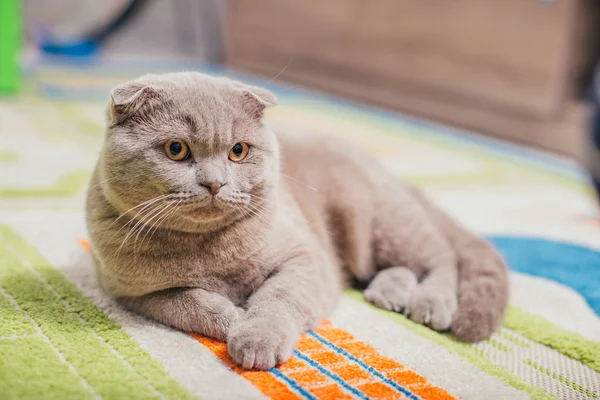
point(62, 337)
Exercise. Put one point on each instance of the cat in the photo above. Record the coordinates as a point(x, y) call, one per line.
point(204, 218)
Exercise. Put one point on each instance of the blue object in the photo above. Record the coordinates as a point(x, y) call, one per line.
point(83, 48)
point(574, 266)
point(89, 42)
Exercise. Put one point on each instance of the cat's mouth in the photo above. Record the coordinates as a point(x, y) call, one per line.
point(200, 207)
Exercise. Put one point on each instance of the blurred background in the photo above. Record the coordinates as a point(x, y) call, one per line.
point(518, 70)
point(515, 69)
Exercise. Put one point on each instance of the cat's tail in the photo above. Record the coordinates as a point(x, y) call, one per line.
point(482, 280)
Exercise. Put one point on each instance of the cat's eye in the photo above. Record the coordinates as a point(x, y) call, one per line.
point(239, 151)
point(176, 150)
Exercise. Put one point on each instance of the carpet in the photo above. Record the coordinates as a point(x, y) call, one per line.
point(61, 337)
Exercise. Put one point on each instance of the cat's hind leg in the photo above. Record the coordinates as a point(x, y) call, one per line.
point(417, 265)
point(434, 301)
point(431, 302)
point(392, 288)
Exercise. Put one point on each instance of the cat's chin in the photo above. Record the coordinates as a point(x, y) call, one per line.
point(209, 213)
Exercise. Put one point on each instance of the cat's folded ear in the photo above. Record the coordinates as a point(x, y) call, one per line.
point(128, 98)
point(255, 99)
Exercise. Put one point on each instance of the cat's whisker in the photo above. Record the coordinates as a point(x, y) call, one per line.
point(260, 211)
point(250, 209)
point(135, 245)
point(263, 199)
point(253, 202)
point(142, 220)
point(257, 213)
point(148, 208)
point(261, 207)
point(156, 225)
point(239, 215)
point(150, 219)
point(132, 230)
point(146, 203)
point(280, 72)
point(239, 212)
point(103, 182)
point(297, 181)
point(257, 207)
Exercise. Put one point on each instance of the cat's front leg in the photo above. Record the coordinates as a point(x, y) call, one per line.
point(293, 300)
point(189, 309)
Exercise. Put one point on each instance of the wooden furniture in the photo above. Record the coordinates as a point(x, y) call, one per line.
point(510, 68)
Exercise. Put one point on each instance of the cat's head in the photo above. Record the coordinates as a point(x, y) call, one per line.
point(191, 143)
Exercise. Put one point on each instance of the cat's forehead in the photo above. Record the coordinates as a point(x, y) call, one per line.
point(208, 115)
point(191, 105)
point(206, 108)
point(200, 94)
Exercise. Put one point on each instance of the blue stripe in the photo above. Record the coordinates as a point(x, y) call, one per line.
point(330, 375)
point(366, 367)
point(569, 264)
point(292, 383)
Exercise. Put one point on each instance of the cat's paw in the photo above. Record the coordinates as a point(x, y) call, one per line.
point(224, 319)
point(392, 288)
point(432, 308)
point(261, 343)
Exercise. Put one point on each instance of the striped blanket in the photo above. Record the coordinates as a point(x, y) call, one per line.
point(62, 337)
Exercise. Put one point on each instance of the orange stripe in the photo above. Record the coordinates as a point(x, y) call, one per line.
point(333, 392)
point(320, 385)
point(346, 369)
point(306, 376)
point(379, 390)
point(266, 382)
point(385, 365)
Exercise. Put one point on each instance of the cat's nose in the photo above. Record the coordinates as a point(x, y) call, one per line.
point(213, 187)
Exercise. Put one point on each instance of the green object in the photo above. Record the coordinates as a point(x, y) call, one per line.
point(56, 344)
point(10, 44)
point(566, 342)
point(466, 351)
point(68, 184)
point(515, 339)
point(562, 379)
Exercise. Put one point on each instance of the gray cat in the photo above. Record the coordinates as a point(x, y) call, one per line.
point(194, 223)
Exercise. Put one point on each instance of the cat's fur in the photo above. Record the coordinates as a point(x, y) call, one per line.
point(265, 259)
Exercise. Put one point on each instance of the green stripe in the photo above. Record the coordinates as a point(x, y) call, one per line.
point(562, 379)
point(30, 369)
point(57, 128)
point(13, 322)
point(544, 332)
point(91, 356)
point(498, 344)
point(508, 335)
point(466, 351)
point(86, 124)
point(8, 157)
point(42, 204)
point(69, 184)
point(488, 174)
